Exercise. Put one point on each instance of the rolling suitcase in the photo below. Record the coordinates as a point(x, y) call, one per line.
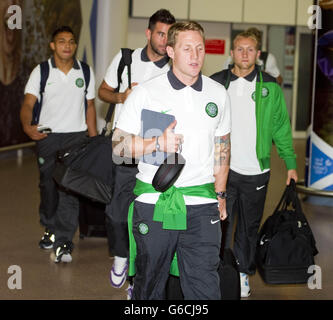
point(91, 219)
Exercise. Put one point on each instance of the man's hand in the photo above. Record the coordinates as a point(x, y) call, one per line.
point(222, 208)
point(169, 141)
point(33, 133)
point(292, 174)
point(127, 92)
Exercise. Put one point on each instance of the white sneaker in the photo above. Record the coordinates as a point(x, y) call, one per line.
point(118, 272)
point(245, 286)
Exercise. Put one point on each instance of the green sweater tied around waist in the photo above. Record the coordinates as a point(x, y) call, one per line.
point(170, 209)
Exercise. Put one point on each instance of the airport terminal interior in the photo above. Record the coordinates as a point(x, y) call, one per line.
point(87, 276)
point(28, 272)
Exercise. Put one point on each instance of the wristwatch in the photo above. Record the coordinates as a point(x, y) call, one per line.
point(221, 195)
point(158, 147)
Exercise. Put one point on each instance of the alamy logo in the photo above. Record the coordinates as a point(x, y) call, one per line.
point(15, 280)
point(314, 21)
point(15, 20)
point(314, 281)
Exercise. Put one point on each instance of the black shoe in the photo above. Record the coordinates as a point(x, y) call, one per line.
point(47, 240)
point(63, 253)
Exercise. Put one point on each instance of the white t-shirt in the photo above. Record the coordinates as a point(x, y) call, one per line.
point(202, 112)
point(63, 107)
point(271, 65)
point(243, 118)
point(142, 69)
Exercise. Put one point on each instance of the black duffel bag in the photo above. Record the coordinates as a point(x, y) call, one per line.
point(87, 169)
point(286, 246)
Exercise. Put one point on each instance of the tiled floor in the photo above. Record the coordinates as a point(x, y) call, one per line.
point(87, 277)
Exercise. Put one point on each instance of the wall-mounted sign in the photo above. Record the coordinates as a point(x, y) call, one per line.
point(215, 46)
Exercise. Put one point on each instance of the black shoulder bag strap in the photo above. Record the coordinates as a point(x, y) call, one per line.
point(86, 74)
point(126, 60)
point(44, 74)
point(263, 57)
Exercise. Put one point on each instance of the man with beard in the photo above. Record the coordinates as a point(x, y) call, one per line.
point(147, 63)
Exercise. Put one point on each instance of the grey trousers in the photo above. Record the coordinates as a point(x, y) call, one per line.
point(197, 250)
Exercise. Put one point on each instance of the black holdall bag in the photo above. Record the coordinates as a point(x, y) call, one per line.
point(87, 169)
point(286, 246)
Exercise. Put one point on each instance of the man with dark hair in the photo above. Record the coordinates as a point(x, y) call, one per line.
point(185, 219)
point(147, 63)
point(259, 118)
point(68, 111)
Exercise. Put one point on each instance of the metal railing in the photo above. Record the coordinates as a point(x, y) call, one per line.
point(300, 187)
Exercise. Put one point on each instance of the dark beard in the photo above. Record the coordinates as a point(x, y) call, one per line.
point(156, 50)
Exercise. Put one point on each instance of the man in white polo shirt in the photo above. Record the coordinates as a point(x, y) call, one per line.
point(147, 63)
point(266, 60)
point(68, 112)
point(259, 118)
point(185, 219)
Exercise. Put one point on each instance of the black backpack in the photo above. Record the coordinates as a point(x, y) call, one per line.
point(44, 74)
point(286, 246)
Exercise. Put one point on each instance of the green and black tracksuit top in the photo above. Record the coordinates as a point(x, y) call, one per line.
point(272, 118)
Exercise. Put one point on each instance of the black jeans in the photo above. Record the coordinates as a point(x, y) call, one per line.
point(246, 201)
point(53, 201)
point(116, 212)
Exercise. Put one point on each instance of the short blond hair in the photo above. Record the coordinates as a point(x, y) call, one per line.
point(178, 27)
point(246, 35)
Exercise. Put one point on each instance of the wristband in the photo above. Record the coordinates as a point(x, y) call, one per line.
point(158, 147)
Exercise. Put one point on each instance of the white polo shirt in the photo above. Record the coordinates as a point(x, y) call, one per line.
point(63, 99)
point(142, 69)
point(243, 135)
point(202, 112)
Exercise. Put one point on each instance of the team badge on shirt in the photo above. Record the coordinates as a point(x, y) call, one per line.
point(79, 82)
point(211, 109)
point(264, 93)
point(143, 228)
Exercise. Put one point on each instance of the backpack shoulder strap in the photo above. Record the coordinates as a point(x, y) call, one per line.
point(126, 60)
point(263, 57)
point(44, 74)
point(86, 73)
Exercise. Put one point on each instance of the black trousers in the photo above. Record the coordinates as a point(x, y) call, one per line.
point(197, 250)
point(53, 201)
point(245, 204)
point(116, 212)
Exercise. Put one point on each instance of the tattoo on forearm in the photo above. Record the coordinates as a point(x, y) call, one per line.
point(222, 151)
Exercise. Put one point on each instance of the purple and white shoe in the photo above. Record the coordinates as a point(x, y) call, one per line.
point(129, 291)
point(118, 279)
